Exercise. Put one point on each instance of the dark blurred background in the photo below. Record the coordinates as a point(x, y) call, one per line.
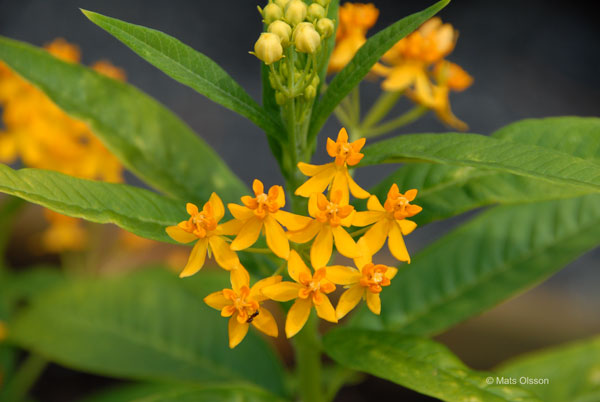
point(534, 58)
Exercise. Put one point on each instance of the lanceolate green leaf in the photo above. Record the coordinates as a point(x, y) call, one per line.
point(483, 152)
point(145, 326)
point(137, 210)
point(497, 254)
point(191, 68)
point(361, 64)
point(185, 393)
point(445, 191)
point(150, 140)
point(420, 364)
point(572, 371)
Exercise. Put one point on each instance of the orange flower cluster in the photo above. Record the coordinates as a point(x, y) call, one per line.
point(327, 225)
point(416, 64)
point(43, 136)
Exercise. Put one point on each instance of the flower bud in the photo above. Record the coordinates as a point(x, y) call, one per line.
point(325, 26)
point(280, 98)
point(268, 48)
point(271, 12)
point(315, 81)
point(310, 92)
point(299, 28)
point(281, 29)
point(295, 12)
point(307, 39)
point(322, 3)
point(315, 11)
point(282, 3)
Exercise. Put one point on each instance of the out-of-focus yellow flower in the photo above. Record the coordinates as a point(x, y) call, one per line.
point(335, 174)
point(363, 283)
point(308, 290)
point(407, 66)
point(355, 19)
point(203, 226)
point(263, 211)
point(390, 221)
point(329, 217)
point(449, 76)
point(64, 50)
point(64, 233)
point(242, 304)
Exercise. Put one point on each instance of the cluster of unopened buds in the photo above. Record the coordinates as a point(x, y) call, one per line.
point(293, 46)
point(329, 217)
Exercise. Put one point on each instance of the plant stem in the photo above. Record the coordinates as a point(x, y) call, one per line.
point(308, 362)
point(26, 376)
point(398, 122)
point(380, 109)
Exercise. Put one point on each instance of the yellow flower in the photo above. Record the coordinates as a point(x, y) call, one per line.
point(242, 304)
point(355, 19)
point(308, 290)
point(203, 227)
point(334, 174)
point(449, 76)
point(329, 217)
point(390, 221)
point(364, 283)
point(263, 212)
point(65, 233)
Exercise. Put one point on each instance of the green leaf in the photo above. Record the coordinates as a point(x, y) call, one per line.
point(420, 364)
point(181, 393)
point(149, 139)
point(573, 371)
point(483, 152)
point(137, 210)
point(361, 64)
point(187, 66)
point(500, 252)
point(445, 191)
point(146, 326)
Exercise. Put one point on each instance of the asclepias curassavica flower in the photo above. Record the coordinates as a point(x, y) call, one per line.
point(318, 235)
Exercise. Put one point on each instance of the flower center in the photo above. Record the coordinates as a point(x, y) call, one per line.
point(374, 277)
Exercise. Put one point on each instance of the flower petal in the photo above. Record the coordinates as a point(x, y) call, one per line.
point(321, 249)
point(191, 209)
point(374, 204)
point(196, 260)
point(223, 254)
point(237, 331)
point(342, 275)
point(248, 234)
point(258, 187)
point(325, 310)
point(348, 300)
point(265, 322)
point(276, 238)
point(240, 212)
point(365, 218)
point(231, 227)
point(340, 183)
point(344, 243)
point(391, 272)
point(178, 234)
point(292, 221)
point(239, 278)
point(310, 170)
point(374, 302)
point(406, 226)
point(217, 205)
point(355, 189)
point(256, 289)
point(410, 195)
point(296, 266)
point(297, 316)
point(396, 244)
point(376, 235)
point(306, 234)
point(318, 183)
point(217, 301)
point(364, 254)
point(283, 291)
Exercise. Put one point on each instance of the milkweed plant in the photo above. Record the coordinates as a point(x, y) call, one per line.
point(304, 259)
